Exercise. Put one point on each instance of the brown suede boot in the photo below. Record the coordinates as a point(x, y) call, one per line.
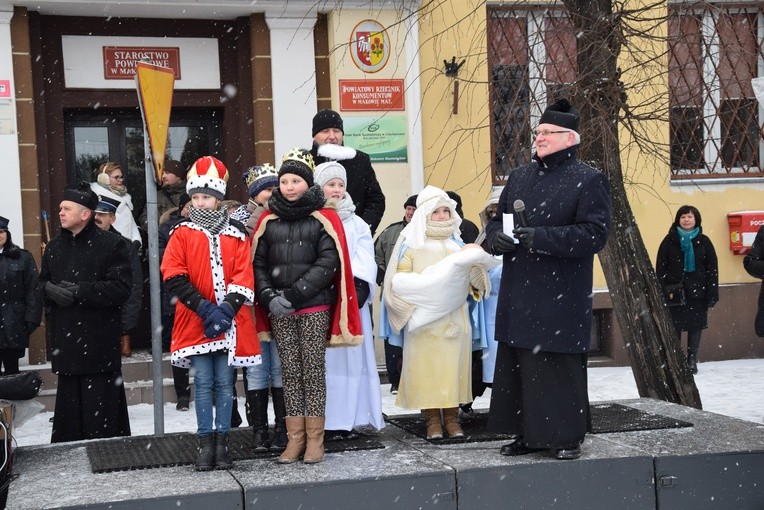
point(451, 421)
point(295, 426)
point(125, 347)
point(434, 425)
point(314, 428)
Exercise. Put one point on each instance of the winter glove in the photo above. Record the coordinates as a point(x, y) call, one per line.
point(204, 310)
point(711, 303)
point(59, 294)
point(502, 244)
point(525, 236)
point(219, 320)
point(362, 291)
point(280, 306)
point(72, 287)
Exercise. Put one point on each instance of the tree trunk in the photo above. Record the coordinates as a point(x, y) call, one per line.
point(648, 332)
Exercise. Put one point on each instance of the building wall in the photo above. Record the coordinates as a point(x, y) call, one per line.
point(448, 127)
point(458, 156)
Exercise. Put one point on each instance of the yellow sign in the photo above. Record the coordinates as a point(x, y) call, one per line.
point(155, 85)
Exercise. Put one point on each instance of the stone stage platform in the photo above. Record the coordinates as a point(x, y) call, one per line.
point(716, 464)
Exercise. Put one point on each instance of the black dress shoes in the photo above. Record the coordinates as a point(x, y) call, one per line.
point(517, 448)
point(568, 453)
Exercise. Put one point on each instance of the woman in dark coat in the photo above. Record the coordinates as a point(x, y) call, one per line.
point(754, 264)
point(20, 309)
point(687, 257)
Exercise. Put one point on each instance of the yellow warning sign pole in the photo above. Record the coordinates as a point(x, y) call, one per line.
point(155, 86)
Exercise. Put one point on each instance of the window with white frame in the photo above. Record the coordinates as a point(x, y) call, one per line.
point(532, 62)
point(714, 50)
point(715, 121)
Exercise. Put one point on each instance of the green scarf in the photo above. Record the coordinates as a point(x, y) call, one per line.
point(685, 242)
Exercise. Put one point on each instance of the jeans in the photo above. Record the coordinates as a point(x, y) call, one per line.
point(212, 376)
point(267, 373)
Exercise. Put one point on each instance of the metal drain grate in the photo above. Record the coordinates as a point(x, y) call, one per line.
point(606, 418)
point(144, 452)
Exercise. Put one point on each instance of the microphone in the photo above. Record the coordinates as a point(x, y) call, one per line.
point(519, 206)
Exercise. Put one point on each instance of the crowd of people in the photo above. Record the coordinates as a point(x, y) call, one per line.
point(282, 287)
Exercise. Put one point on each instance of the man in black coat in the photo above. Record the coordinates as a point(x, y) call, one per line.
point(362, 185)
point(20, 308)
point(105, 216)
point(85, 279)
point(544, 312)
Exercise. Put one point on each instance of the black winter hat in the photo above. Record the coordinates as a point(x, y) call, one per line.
point(82, 195)
point(327, 119)
point(410, 201)
point(182, 201)
point(4, 223)
point(561, 113)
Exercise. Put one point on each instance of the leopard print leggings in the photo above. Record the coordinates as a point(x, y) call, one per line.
point(301, 342)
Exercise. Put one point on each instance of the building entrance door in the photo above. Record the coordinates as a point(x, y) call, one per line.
point(96, 136)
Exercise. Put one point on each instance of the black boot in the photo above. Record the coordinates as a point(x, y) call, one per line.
point(235, 416)
point(222, 460)
point(692, 361)
point(279, 409)
point(206, 459)
point(257, 401)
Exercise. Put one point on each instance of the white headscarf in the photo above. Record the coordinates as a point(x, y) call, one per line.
point(493, 199)
point(429, 199)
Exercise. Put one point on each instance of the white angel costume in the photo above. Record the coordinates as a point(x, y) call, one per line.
point(426, 297)
point(353, 394)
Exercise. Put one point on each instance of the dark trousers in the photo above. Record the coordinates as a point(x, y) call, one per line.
point(179, 375)
point(393, 363)
point(90, 406)
point(9, 359)
point(693, 339)
point(541, 397)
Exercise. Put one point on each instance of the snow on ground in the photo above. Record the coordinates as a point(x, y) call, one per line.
point(733, 388)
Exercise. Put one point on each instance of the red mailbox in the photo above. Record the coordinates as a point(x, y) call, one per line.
point(743, 228)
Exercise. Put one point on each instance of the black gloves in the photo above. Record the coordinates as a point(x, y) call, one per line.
point(525, 236)
point(62, 295)
point(502, 244)
point(362, 291)
point(280, 306)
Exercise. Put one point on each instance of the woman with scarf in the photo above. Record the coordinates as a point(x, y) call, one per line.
point(687, 268)
point(304, 284)
point(110, 182)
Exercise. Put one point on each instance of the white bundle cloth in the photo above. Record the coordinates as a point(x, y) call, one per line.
point(444, 286)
